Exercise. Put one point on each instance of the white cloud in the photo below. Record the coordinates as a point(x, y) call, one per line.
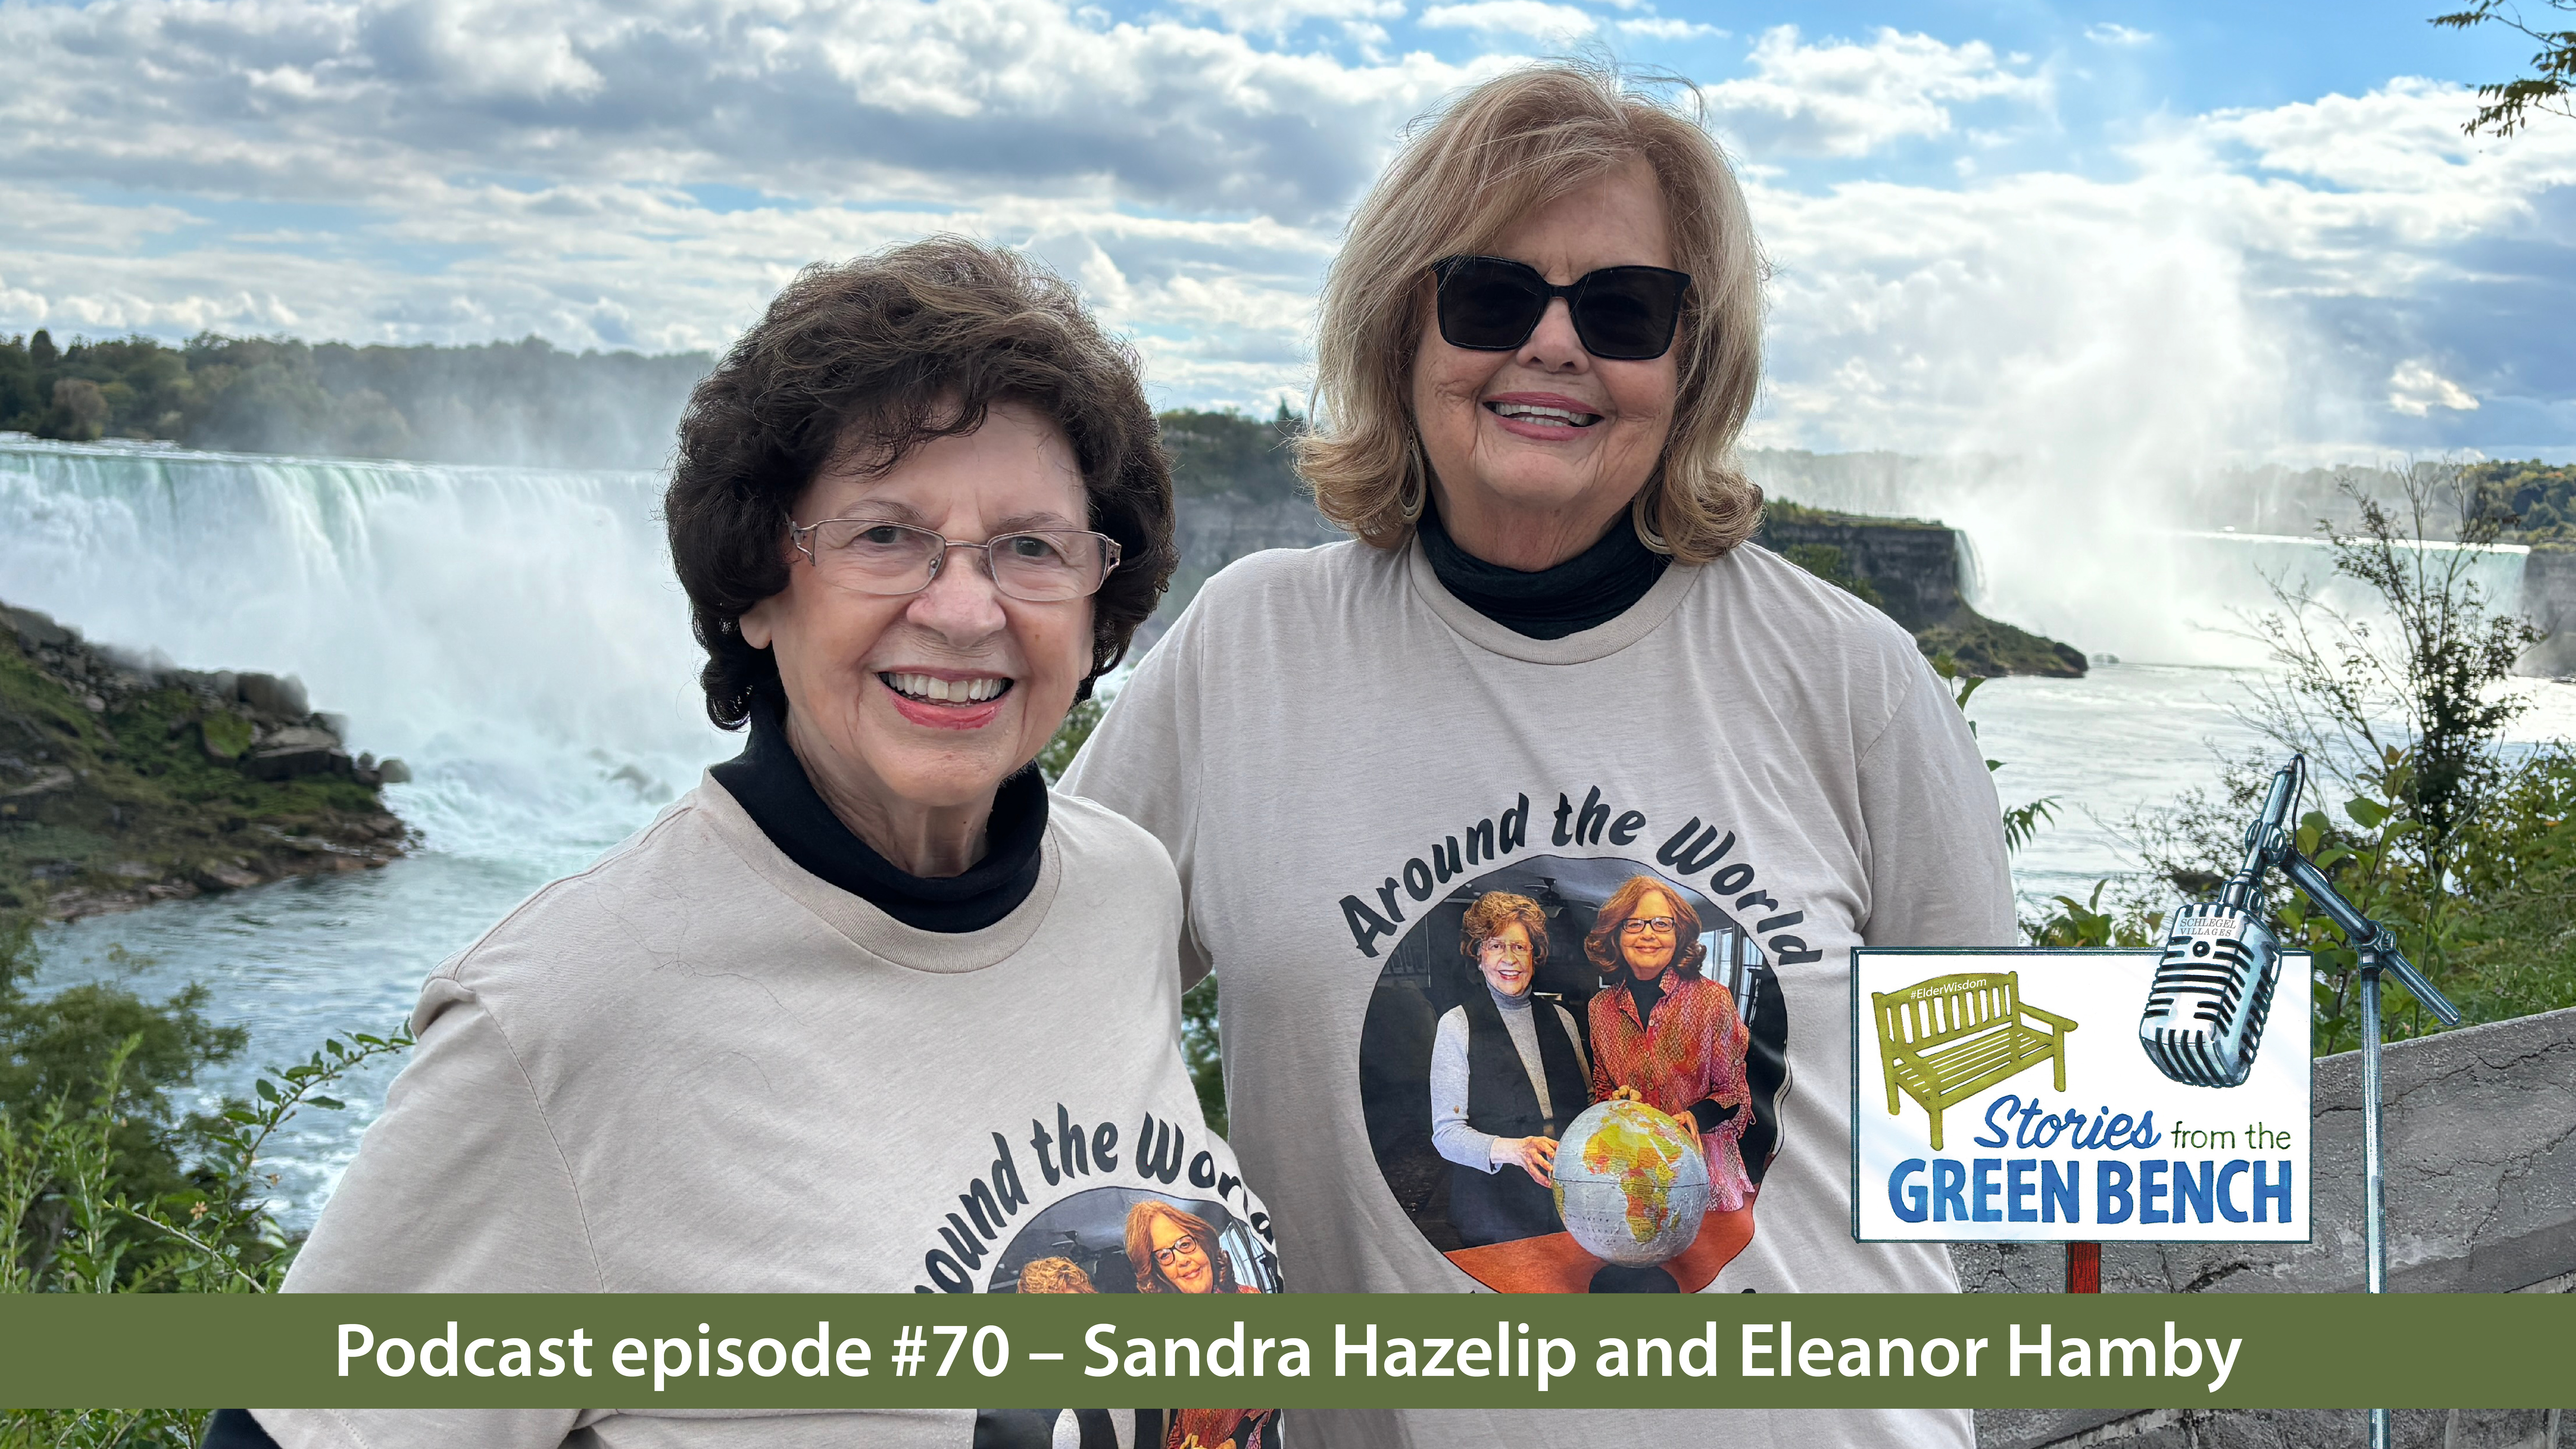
point(2111, 32)
point(1661, 27)
point(1277, 17)
point(1511, 17)
point(2271, 285)
point(1839, 98)
point(339, 101)
point(2415, 389)
point(2253, 281)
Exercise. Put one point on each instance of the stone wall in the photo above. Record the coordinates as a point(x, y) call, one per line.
point(2480, 1132)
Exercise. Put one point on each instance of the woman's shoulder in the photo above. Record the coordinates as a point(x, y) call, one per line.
point(1274, 584)
point(1707, 989)
point(667, 878)
point(1100, 833)
point(1755, 583)
point(1109, 858)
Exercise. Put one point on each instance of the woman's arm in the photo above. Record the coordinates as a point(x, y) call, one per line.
point(1143, 761)
point(1450, 1134)
point(236, 1429)
point(458, 1187)
point(1938, 875)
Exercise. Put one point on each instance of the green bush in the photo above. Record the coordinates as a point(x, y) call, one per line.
point(2419, 814)
point(105, 1189)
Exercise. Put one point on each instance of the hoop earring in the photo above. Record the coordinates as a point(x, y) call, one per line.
point(1646, 534)
point(1415, 491)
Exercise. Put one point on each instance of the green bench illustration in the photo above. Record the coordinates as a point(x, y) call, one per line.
point(1947, 1039)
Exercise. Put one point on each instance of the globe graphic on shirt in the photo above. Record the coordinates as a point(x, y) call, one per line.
point(1629, 1184)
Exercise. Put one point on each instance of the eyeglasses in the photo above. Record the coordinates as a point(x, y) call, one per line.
point(1639, 925)
point(1505, 948)
point(1493, 304)
point(872, 556)
point(1165, 1256)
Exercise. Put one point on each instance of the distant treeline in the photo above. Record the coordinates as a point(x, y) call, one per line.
point(523, 403)
point(1227, 452)
point(2542, 497)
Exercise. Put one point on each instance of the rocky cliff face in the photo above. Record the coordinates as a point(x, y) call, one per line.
point(1216, 529)
point(1910, 569)
point(122, 783)
point(2549, 600)
point(1907, 568)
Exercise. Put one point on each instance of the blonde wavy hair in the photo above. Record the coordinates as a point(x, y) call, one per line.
point(1498, 152)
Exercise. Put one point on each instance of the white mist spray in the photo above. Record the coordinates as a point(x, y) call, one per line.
point(513, 634)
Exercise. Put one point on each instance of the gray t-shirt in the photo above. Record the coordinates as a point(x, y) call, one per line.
point(1342, 758)
point(694, 1068)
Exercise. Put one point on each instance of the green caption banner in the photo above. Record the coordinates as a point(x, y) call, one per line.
point(1007, 1351)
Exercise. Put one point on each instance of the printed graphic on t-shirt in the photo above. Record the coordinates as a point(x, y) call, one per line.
point(1127, 1429)
point(1133, 1240)
point(1572, 1065)
point(1079, 1206)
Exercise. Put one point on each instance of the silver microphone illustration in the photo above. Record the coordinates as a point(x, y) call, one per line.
point(2213, 989)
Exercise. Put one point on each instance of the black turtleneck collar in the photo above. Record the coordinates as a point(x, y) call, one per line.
point(772, 786)
point(1586, 591)
point(1646, 993)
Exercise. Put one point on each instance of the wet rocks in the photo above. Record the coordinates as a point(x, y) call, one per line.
point(140, 781)
point(297, 750)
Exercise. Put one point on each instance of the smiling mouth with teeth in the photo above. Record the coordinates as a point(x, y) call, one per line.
point(931, 689)
point(1529, 413)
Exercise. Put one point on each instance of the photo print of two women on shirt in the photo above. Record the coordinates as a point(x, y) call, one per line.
point(1629, 982)
point(1133, 1240)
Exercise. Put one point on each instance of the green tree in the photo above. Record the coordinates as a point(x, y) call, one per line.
point(95, 1195)
point(2410, 710)
point(2420, 815)
point(2507, 105)
point(1227, 452)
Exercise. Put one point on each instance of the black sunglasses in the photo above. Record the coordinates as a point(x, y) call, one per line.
point(1493, 304)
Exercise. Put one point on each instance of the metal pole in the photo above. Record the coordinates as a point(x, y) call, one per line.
point(2374, 1230)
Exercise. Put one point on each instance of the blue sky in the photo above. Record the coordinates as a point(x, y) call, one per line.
point(2125, 236)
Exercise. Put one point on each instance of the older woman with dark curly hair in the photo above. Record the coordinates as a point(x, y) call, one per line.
point(1507, 1075)
point(1552, 635)
point(870, 999)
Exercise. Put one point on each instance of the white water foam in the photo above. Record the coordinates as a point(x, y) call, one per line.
point(514, 635)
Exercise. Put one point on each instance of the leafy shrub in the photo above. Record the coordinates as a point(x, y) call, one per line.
point(103, 1189)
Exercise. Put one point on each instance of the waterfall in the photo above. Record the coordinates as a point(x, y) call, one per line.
point(513, 634)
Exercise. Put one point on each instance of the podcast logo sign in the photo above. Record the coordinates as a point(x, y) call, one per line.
point(2003, 1096)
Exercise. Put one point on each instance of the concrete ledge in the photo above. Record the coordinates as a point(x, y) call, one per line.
point(2481, 1142)
point(2276, 1429)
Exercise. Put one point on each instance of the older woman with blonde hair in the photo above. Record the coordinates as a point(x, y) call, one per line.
point(1550, 637)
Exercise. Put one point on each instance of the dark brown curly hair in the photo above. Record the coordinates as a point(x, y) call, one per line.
point(874, 358)
point(1602, 945)
point(1496, 909)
